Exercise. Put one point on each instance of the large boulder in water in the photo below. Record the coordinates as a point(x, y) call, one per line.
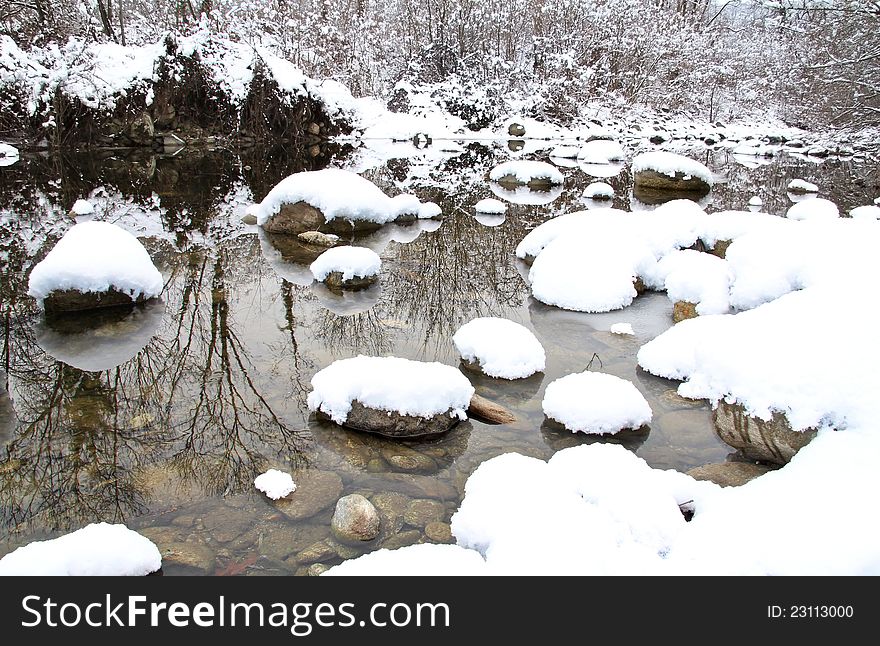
point(771, 440)
point(663, 171)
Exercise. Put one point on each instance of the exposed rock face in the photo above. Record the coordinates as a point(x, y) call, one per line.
point(720, 248)
point(768, 441)
point(295, 218)
point(394, 425)
point(335, 281)
point(72, 300)
point(683, 183)
point(729, 474)
point(141, 130)
point(355, 519)
point(483, 409)
point(516, 130)
point(683, 310)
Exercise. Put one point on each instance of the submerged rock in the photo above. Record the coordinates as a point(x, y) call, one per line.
point(772, 440)
point(315, 491)
point(316, 238)
point(355, 519)
point(729, 474)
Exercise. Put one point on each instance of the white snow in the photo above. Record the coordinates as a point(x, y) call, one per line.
point(868, 212)
point(695, 277)
point(599, 190)
point(802, 186)
point(877, 200)
point(503, 348)
point(93, 257)
point(756, 201)
point(340, 194)
point(595, 403)
point(526, 171)
point(353, 262)
point(490, 219)
point(670, 164)
point(275, 484)
point(565, 152)
point(601, 151)
point(490, 205)
point(99, 549)
point(82, 207)
point(8, 155)
point(625, 329)
point(392, 384)
point(417, 560)
point(813, 209)
point(526, 195)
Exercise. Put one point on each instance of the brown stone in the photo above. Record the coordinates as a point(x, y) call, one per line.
point(300, 217)
point(439, 532)
point(489, 411)
point(681, 182)
point(335, 281)
point(539, 183)
point(720, 248)
point(768, 441)
point(516, 130)
point(729, 474)
point(683, 310)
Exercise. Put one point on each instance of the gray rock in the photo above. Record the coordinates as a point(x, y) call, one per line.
point(423, 511)
point(316, 553)
point(249, 218)
point(769, 441)
point(516, 130)
point(355, 519)
point(73, 300)
point(190, 555)
point(390, 424)
point(729, 474)
point(318, 239)
point(682, 183)
point(438, 532)
point(315, 491)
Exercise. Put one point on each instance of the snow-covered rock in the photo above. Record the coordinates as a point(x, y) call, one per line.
point(867, 212)
point(8, 155)
point(99, 549)
point(756, 201)
point(802, 186)
point(601, 151)
point(499, 348)
point(596, 403)
point(95, 264)
point(599, 191)
point(490, 206)
point(336, 199)
point(661, 170)
point(347, 267)
point(694, 277)
point(417, 560)
point(814, 209)
point(391, 396)
point(624, 329)
point(275, 484)
point(534, 174)
point(82, 207)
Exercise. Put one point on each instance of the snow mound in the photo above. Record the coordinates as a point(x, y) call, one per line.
point(93, 257)
point(756, 201)
point(527, 171)
point(340, 194)
point(352, 262)
point(416, 560)
point(490, 205)
point(503, 348)
point(82, 207)
point(275, 484)
point(813, 209)
point(695, 277)
point(99, 549)
point(565, 152)
point(802, 186)
point(670, 164)
point(8, 155)
point(622, 329)
point(595, 403)
point(599, 190)
point(869, 212)
point(392, 384)
point(601, 151)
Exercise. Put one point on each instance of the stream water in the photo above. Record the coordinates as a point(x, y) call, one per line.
point(161, 417)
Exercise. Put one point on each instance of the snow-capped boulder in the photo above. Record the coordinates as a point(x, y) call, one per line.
point(599, 191)
point(391, 396)
point(82, 207)
point(666, 171)
point(499, 348)
point(601, 151)
point(347, 267)
point(491, 206)
point(867, 212)
point(334, 200)
point(533, 174)
point(318, 239)
point(355, 519)
point(95, 265)
point(596, 403)
point(771, 440)
point(802, 186)
point(99, 549)
point(813, 209)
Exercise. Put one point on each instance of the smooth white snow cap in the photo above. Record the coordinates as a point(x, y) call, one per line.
point(595, 403)
point(695, 277)
point(503, 348)
point(868, 212)
point(490, 205)
point(99, 549)
point(601, 151)
point(417, 560)
point(622, 328)
point(802, 186)
point(669, 164)
point(340, 194)
point(391, 384)
point(82, 207)
point(353, 262)
point(756, 201)
point(275, 484)
point(813, 209)
point(93, 257)
point(564, 152)
point(526, 171)
point(599, 190)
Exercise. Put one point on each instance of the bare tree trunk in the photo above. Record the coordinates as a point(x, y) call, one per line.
point(121, 23)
